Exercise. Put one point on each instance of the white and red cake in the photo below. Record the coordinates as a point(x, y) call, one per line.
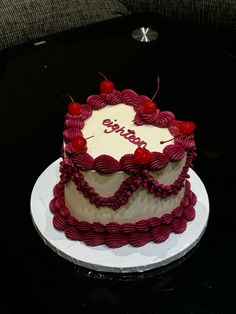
point(124, 171)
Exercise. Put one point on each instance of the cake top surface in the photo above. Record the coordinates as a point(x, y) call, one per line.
point(112, 131)
point(119, 129)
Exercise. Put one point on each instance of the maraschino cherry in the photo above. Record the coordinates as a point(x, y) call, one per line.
point(186, 127)
point(74, 108)
point(79, 143)
point(149, 106)
point(106, 86)
point(142, 156)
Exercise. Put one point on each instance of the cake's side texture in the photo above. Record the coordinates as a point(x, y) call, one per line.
point(124, 171)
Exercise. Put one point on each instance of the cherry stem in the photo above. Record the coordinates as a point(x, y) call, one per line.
point(68, 95)
point(103, 75)
point(87, 138)
point(163, 142)
point(158, 87)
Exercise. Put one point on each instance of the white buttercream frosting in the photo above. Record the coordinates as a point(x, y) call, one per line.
point(142, 205)
point(113, 143)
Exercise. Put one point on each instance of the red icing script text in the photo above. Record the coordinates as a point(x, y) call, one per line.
point(128, 134)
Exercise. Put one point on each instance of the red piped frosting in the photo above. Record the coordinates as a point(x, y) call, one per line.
point(96, 102)
point(174, 152)
point(113, 98)
point(158, 161)
point(83, 161)
point(71, 133)
point(106, 164)
point(115, 235)
point(164, 119)
point(130, 98)
point(128, 165)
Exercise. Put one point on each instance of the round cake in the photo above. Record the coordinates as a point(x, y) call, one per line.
point(124, 171)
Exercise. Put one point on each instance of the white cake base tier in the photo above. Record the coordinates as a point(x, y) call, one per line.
point(120, 260)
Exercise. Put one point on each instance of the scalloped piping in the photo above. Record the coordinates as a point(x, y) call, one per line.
point(129, 186)
point(115, 235)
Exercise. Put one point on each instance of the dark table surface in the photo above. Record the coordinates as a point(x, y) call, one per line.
point(197, 83)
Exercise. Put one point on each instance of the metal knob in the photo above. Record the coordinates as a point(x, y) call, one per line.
point(144, 34)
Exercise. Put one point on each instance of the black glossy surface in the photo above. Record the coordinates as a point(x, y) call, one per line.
point(197, 83)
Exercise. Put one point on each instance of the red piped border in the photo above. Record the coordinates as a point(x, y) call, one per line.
point(107, 164)
point(116, 235)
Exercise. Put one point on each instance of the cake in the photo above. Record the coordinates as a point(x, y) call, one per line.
point(124, 171)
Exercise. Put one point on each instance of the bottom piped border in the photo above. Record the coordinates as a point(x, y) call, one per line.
point(115, 235)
